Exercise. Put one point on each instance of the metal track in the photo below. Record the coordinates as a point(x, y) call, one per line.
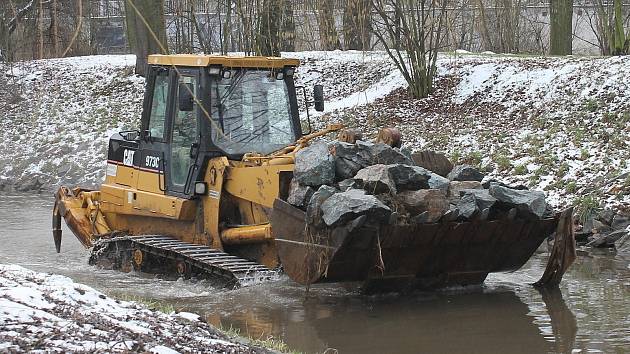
point(199, 259)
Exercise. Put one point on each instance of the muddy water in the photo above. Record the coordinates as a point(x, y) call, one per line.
point(591, 313)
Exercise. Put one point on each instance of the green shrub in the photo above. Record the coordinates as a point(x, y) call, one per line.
point(586, 206)
point(591, 105)
point(503, 162)
point(520, 169)
point(571, 187)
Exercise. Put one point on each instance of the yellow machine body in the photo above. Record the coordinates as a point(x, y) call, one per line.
point(204, 182)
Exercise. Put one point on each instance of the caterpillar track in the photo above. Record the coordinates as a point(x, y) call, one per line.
point(166, 255)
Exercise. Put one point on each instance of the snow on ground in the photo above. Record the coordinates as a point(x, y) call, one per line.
point(557, 124)
point(51, 313)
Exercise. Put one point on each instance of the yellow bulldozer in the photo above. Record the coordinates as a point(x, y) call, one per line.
point(200, 190)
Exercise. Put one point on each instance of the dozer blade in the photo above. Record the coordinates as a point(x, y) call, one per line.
point(391, 257)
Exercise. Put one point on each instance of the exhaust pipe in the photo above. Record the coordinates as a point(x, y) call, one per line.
point(56, 226)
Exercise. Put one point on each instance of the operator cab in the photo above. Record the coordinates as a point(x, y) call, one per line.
point(200, 107)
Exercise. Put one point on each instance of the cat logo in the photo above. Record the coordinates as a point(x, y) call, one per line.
point(128, 157)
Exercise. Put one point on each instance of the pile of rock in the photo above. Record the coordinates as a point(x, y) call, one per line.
point(604, 229)
point(338, 183)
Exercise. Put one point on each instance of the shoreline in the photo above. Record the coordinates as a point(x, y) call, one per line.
point(41, 311)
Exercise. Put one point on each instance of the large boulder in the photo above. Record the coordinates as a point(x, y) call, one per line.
point(482, 197)
point(378, 153)
point(345, 206)
point(347, 159)
point(375, 179)
point(467, 206)
point(430, 202)
point(465, 173)
point(349, 183)
point(438, 182)
point(456, 187)
point(475, 202)
point(406, 177)
point(607, 240)
point(528, 202)
point(299, 195)
point(620, 221)
point(433, 161)
point(314, 165)
point(313, 210)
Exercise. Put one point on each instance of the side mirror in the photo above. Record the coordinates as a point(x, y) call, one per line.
point(318, 98)
point(185, 97)
point(130, 135)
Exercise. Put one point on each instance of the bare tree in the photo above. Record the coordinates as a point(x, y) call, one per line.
point(499, 25)
point(146, 31)
point(357, 24)
point(608, 27)
point(327, 30)
point(560, 32)
point(420, 24)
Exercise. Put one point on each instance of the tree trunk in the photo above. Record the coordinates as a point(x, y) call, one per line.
point(40, 30)
point(146, 30)
point(54, 28)
point(561, 31)
point(287, 33)
point(619, 41)
point(357, 24)
point(327, 31)
point(227, 29)
point(268, 36)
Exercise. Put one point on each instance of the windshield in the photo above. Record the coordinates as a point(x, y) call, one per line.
point(251, 113)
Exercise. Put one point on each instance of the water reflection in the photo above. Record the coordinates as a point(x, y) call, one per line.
point(495, 321)
point(506, 316)
point(563, 322)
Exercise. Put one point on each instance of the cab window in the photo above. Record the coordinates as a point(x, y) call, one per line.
point(157, 118)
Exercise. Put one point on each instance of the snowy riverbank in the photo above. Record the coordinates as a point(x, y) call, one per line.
point(52, 313)
point(556, 124)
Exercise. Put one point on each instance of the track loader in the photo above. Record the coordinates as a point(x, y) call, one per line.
point(200, 190)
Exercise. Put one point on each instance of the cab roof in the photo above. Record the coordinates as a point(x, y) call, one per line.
point(223, 60)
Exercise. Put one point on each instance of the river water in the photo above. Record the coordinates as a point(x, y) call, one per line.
point(590, 314)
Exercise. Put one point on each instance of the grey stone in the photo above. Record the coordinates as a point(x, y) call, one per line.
point(467, 206)
point(432, 201)
point(438, 182)
point(375, 179)
point(406, 177)
point(594, 226)
point(433, 161)
point(532, 202)
point(607, 240)
point(620, 222)
point(482, 197)
point(455, 187)
point(622, 243)
point(346, 184)
point(314, 165)
point(299, 195)
point(606, 216)
point(378, 153)
point(313, 210)
point(347, 160)
point(342, 207)
point(465, 173)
